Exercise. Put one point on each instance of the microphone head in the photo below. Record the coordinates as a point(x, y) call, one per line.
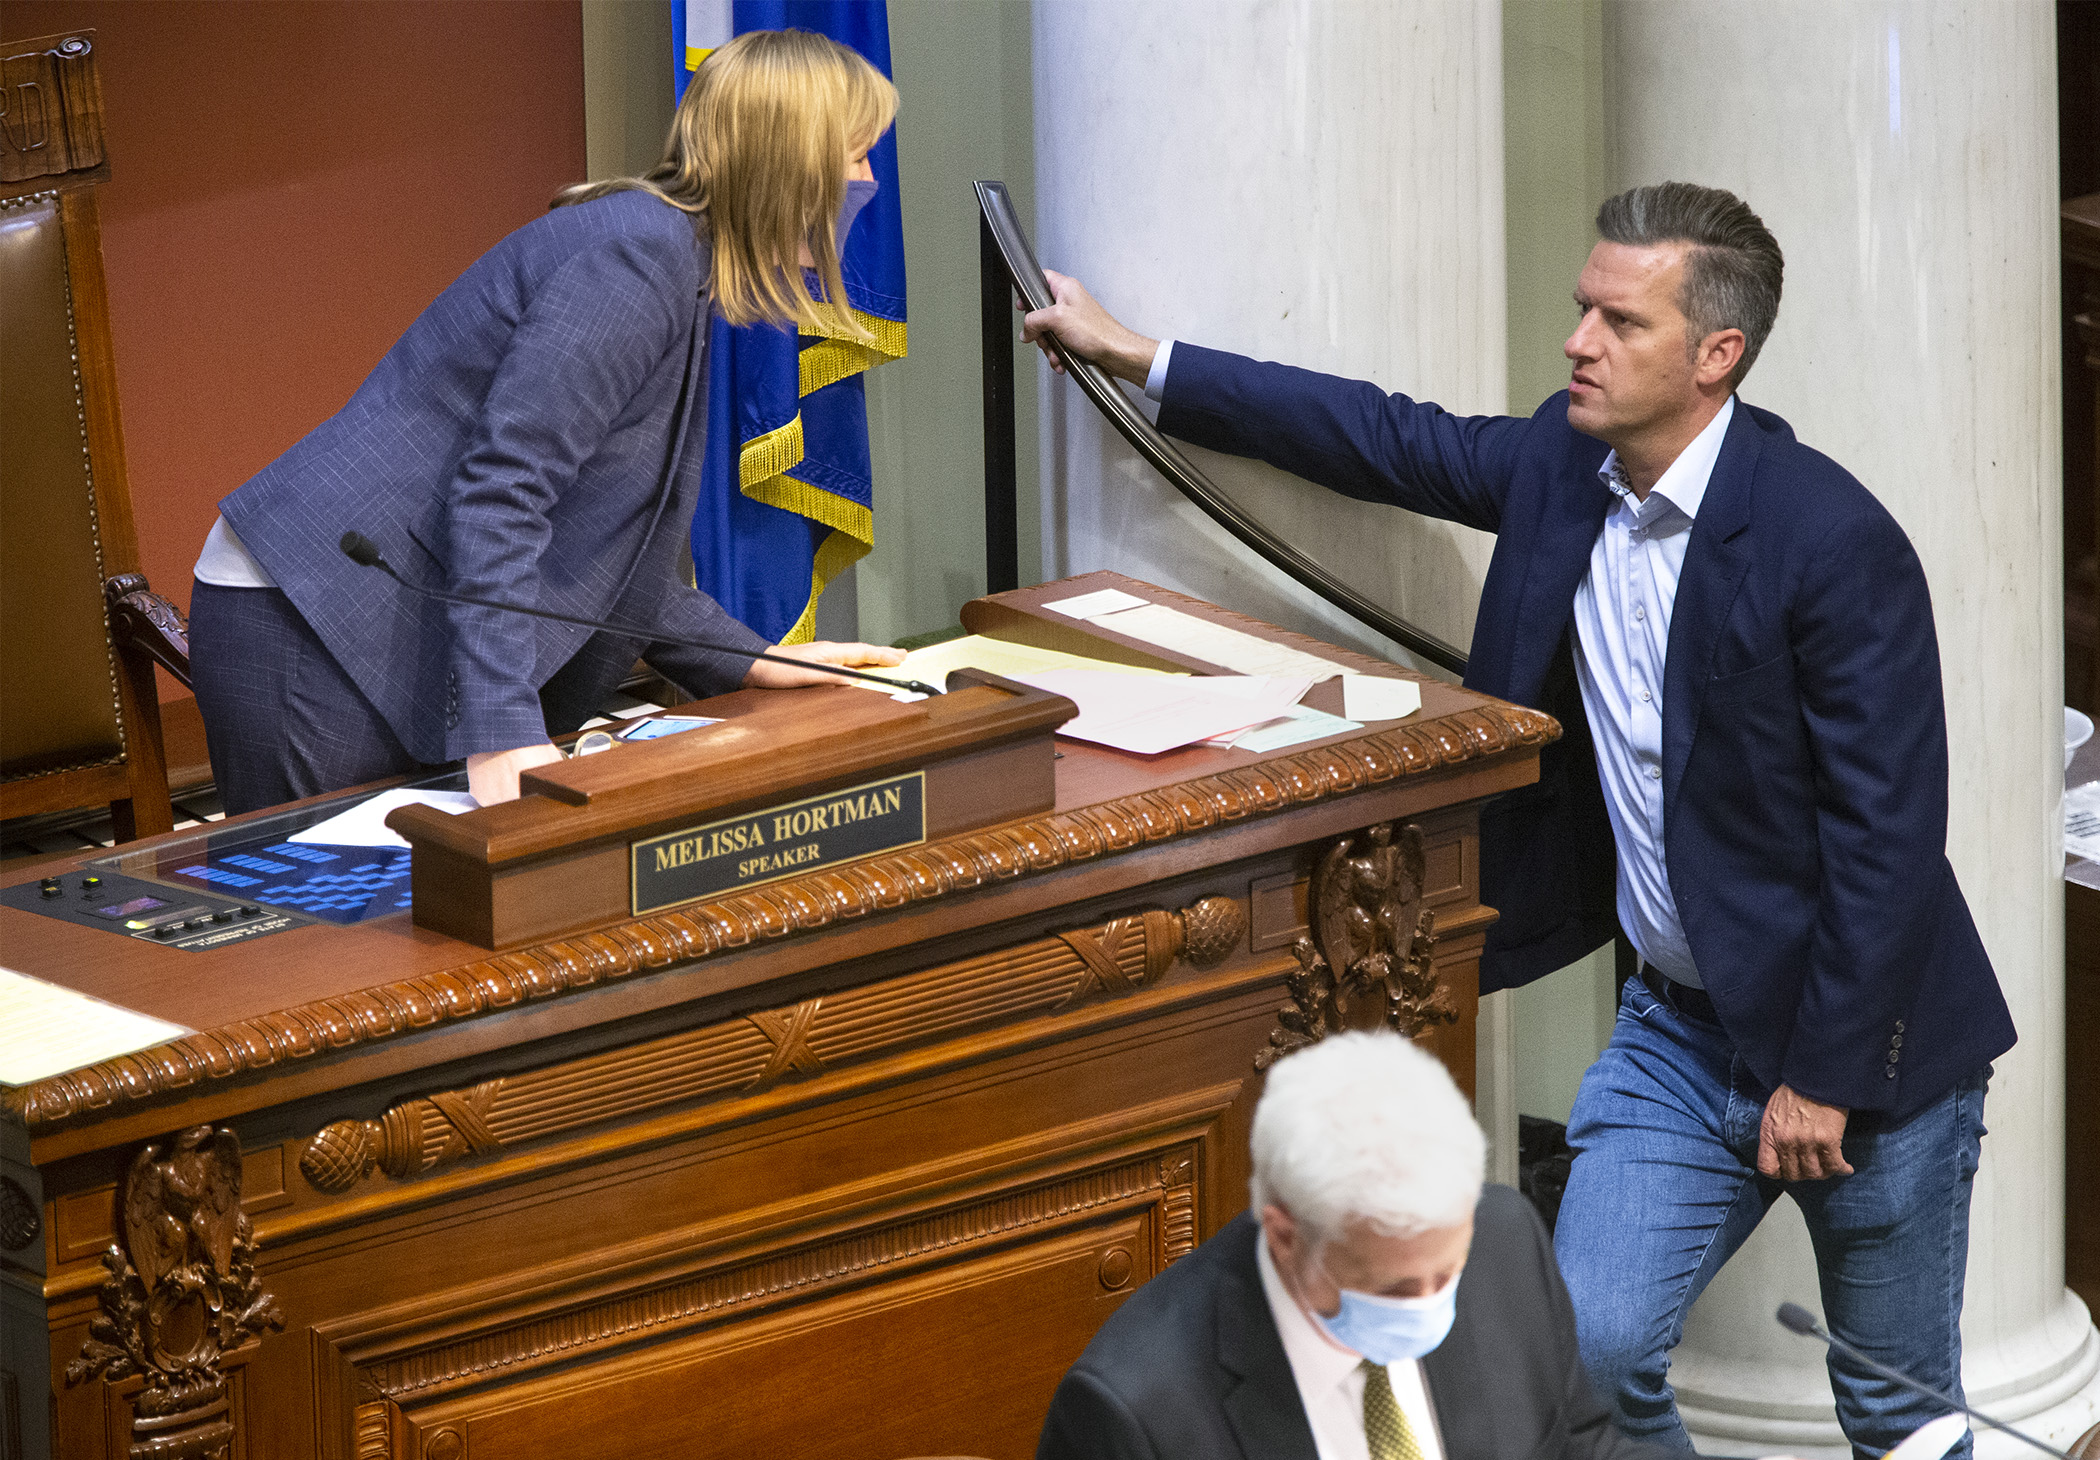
point(361, 550)
point(1797, 1319)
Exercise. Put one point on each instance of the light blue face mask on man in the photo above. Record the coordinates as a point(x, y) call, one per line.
point(1387, 1330)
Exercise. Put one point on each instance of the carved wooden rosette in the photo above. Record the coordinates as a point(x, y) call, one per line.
point(1370, 934)
point(756, 1051)
point(182, 1293)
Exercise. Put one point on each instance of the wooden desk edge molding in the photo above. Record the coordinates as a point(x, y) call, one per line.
point(809, 904)
point(781, 910)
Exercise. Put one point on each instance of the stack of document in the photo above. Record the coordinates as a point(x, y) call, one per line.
point(2082, 821)
point(46, 1030)
point(1147, 714)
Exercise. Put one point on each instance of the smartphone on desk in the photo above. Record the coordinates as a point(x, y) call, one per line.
point(661, 725)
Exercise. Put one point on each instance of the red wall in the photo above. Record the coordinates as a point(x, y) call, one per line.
point(292, 181)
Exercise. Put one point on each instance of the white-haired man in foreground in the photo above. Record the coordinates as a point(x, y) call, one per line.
point(1377, 1303)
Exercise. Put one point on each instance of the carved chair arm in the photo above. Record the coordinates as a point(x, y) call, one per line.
point(143, 622)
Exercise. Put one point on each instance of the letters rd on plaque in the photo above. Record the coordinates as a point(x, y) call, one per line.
point(779, 841)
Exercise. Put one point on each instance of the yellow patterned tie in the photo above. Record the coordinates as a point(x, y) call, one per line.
point(1384, 1425)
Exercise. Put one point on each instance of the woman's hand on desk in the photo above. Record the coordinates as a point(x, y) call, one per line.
point(492, 775)
point(764, 675)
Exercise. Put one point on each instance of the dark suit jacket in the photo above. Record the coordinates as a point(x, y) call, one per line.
point(536, 437)
point(1804, 730)
point(1191, 1368)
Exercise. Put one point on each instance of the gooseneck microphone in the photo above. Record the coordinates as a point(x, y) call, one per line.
point(362, 551)
point(1797, 1319)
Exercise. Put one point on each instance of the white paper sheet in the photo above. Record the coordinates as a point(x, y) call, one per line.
point(364, 825)
point(2082, 821)
point(1148, 715)
point(1299, 724)
point(1370, 697)
point(1184, 633)
point(1093, 605)
point(46, 1030)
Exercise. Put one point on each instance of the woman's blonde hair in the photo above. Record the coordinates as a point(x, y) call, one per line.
point(758, 147)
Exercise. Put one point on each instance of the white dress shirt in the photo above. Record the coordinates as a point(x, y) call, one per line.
point(227, 563)
point(1331, 1383)
point(1622, 621)
point(1156, 377)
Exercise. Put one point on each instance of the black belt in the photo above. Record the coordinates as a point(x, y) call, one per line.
point(1686, 1000)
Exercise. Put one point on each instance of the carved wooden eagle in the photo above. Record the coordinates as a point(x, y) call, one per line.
point(1367, 901)
point(182, 1207)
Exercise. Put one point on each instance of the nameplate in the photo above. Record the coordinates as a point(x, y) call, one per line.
point(780, 841)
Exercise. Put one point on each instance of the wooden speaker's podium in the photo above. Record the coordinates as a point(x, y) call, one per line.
point(785, 782)
point(849, 1159)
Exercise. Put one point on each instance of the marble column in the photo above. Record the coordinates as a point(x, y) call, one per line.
point(1318, 181)
point(1903, 152)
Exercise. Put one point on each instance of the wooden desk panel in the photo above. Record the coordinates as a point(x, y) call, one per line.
point(805, 1151)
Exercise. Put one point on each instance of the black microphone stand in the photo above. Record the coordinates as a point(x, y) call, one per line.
point(364, 552)
point(1797, 1319)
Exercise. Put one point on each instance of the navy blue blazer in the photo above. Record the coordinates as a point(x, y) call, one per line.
point(1804, 727)
point(1191, 1367)
point(536, 437)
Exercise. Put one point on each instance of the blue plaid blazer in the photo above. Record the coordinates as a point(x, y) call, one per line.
point(536, 437)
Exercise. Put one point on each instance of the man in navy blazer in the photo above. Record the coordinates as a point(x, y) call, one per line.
point(1751, 784)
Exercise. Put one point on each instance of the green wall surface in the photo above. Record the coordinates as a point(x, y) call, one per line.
point(962, 70)
point(1554, 175)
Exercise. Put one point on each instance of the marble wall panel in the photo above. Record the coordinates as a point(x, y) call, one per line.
point(1316, 181)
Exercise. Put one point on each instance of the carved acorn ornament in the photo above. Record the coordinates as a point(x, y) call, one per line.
point(1211, 928)
point(341, 1155)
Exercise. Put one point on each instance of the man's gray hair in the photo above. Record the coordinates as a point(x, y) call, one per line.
point(1366, 1127)
point(1732, 270)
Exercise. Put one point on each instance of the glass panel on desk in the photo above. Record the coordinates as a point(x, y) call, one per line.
point(258, 860)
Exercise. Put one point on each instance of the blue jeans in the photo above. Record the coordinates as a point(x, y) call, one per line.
point(1665, 1189)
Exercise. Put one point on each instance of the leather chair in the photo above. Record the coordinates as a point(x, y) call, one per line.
point(80, 631)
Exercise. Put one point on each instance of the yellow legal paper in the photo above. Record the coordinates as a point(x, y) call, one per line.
point(995, 656)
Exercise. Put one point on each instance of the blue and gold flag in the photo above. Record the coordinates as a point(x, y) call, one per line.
point(788, 502)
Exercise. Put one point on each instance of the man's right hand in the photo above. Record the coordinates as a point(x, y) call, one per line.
point(1088, 331)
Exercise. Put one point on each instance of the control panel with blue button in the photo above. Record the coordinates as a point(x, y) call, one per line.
point(155, 912)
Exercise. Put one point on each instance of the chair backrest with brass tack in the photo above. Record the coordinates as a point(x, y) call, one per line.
point(80, 630)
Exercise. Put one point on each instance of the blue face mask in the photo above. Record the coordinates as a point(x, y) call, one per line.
point(858, 195)
point(1387, 1330)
